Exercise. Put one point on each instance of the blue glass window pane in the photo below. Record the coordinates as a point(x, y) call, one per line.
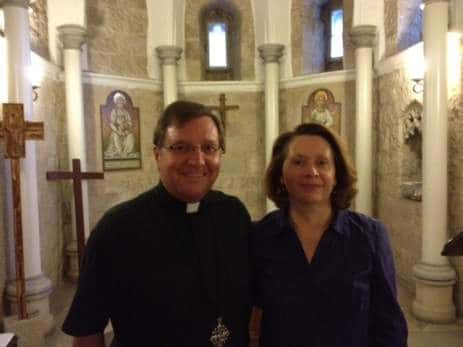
point(217, 42)
point(337, 49)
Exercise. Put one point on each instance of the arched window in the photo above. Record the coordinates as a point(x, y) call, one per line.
point(333, 19)
point(217, 40)
point(220, 41)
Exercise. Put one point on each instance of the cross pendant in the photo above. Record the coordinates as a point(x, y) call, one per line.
point(220, 334)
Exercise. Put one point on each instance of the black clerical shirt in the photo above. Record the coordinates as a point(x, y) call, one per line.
point(162, 276)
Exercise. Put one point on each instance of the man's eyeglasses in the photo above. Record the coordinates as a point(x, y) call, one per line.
point(208, 149)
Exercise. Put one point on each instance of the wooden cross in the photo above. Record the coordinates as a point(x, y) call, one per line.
point(15, 131)
point(76, 175)
point(223, 108)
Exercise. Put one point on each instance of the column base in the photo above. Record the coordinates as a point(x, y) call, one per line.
point(434, 293)
point(37, 293)
point(72, 271)
point(31, 332)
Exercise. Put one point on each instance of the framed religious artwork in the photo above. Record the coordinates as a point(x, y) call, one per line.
point(321, 108)
point(120, 132)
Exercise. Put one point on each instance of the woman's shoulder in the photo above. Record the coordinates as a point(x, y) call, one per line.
point(360, 226)
point(356, 220)
point(269, 219)
point(271, 224)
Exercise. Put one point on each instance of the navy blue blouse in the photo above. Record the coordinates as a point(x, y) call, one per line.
point(346, 296)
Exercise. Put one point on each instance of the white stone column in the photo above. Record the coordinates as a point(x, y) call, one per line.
point(363, 37)
point(18, 61)
point(73, 37)
point(270, 54)
point(169, 55)
point(433, 275)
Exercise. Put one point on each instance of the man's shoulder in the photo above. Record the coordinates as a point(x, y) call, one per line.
point(127, 214)
point(218, 197)
point(132, 207)
point(226, 205)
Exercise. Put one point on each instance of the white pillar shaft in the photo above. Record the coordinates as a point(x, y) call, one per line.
point(168, 56)
point(169, 77)
point(364, 126)
point(73, 37)
point(272, 78)
point(75, 123)
point(434, 276)
point(435, 125)
point(20, 90)
point(74, 105)
point(271, 53)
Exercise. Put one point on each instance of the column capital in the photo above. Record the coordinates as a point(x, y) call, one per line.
point(271, 52)
point(72, 36)
point(169, 54)
point(17, 3)
point(363, 35)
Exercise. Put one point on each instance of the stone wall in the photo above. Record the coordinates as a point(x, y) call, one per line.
point(122, 185)
point(117, 32)
point(51, 153)
point(401, 215)
point(348, 60)
point(243, 163)
point(307, 39)
point(3, 236)
point(456, 183)
point(402, 24)
point(293, 99)
point(397, 163)
point(193, 44)
point(298, 18)
point(39, 28)
point(390, 26)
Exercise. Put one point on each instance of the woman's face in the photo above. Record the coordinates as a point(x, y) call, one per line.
point(309, 171)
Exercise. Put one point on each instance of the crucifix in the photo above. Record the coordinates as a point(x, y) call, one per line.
point(220, 334)
point(15, 131)
point(76, 175)
point(223, 108)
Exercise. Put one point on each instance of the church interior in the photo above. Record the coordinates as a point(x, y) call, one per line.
point(384, 74)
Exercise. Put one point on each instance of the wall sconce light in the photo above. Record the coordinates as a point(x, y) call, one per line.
point(35, 74)
point(418, 85)
point(35, 94)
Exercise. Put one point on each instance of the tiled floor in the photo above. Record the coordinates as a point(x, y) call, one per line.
point(420, 334)
point(429, 335)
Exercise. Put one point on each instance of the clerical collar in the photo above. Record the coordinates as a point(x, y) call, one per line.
point(192, 207)
point(168, 200)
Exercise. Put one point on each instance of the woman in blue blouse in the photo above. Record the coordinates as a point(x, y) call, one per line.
point(324, 275)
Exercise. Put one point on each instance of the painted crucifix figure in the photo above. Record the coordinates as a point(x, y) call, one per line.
point(222, 109)
point(14, 131)
point(76, 175)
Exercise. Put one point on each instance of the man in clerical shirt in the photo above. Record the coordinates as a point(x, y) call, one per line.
point(170, 267)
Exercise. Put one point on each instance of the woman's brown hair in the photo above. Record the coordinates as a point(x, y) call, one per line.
point(346, 176)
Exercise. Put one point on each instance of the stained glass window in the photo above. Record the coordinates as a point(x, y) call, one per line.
point(336, 45)
point(217, 45)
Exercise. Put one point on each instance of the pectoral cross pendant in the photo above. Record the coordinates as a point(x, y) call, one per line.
point(220, 334)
